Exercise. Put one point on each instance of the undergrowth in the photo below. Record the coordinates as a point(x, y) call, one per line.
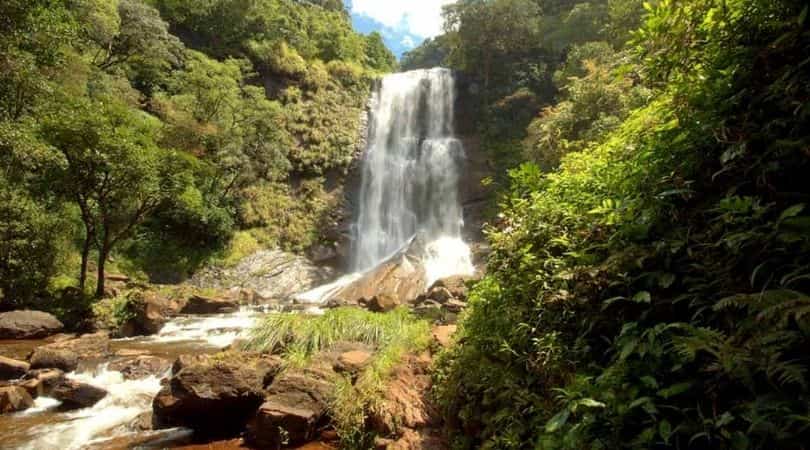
point(299, 338)
point(653, 291)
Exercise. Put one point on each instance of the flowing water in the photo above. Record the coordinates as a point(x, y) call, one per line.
point(409, 187)
point(46, 427)
point(410, 181)
point(411, 174)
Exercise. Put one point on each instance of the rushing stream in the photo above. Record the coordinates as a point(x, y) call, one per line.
point(409, 188)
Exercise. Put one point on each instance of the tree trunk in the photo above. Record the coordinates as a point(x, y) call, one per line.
point(85, 259)
point(103, 253)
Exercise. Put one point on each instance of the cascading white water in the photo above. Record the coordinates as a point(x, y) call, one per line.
point(410, 175)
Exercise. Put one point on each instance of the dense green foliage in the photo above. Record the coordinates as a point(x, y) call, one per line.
point(154, 130)
point(649, 289)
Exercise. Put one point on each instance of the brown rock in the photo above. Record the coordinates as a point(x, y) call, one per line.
point(293, 410)
point(14, 399)
point(454, 306)
point(198, 304)
point(352, 362)
point(456, 286)
point(404, 404)
point(150, 311)
point(394, 282)
point(11, 369)
point(54, 358)
point(141, 367)
point(74, 394)
point(28, 324)
point(443, 334)
point(439, 294)
point(33, 386)
point(93, 346)
point(383, 303)
point(46, 380)
point(116, 278)
point(211, 397)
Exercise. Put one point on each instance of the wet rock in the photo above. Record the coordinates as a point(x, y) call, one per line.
point(293, 410)
point(149, 311)
point(27, 324)
point(74, 394)
point(187, 360)
point(54, 358)
point(455, 286)
point(142, 423)
point(392, 283)
point(140, 367)
point(273, 274)
point(42, 381)
point(211, 397)
point(443, 334)
point(92, 346)
point(199, 304)
point(14, 399)
point(352, 362)
point(33, 387)
point(11, 369)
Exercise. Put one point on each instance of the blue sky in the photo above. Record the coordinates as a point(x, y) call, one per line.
point(404, 24)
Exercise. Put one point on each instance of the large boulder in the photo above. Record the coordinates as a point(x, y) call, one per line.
point(93, 346)
point(74, 394)
point(198, 304)
point(53, 358)
point(14, 399)
point(40, 382)
point(273, 274)
point(392, 283)
point(213, 396)
point(149, 312)
point(28, 324)
point(140, 367)
point(11, 369)
point(67, 354)
point(294, 409)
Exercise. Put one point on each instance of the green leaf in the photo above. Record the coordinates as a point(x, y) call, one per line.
point(642, 297)
point(556, 422)
point(665, 430)
point(803, 16)
point(675, 389)
point(793, 211)
point(589, 402)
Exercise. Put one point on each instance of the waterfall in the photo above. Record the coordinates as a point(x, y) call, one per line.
point(410, 182)
point(410, 175)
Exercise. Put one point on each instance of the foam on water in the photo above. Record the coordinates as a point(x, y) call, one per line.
point(445, 257)
point(125, 400)
point(218, 331)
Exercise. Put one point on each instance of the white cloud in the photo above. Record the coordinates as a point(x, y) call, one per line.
point(421, 18)
point(408, 42)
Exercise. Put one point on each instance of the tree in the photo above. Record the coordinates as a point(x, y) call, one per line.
point(378, 56)
point(28, 249)
point(112, 169)
point(141, 33)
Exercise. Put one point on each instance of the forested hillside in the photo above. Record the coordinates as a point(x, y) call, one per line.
point(159, 135)
point(648, 286)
